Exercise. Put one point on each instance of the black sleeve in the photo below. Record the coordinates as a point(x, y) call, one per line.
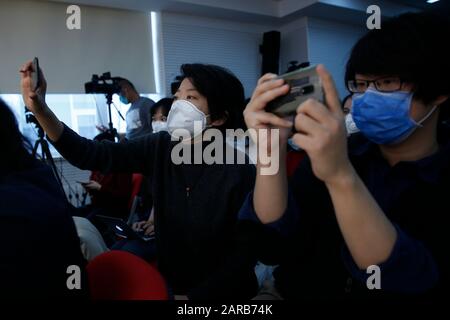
point(235, 278)
point(308, 199)
point(129, 157)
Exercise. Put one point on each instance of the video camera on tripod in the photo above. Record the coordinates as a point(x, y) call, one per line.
point(107, 85)
point(104, 84)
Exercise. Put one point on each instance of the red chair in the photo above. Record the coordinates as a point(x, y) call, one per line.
point(120, 275)
point(293, 160)
point(136, 182)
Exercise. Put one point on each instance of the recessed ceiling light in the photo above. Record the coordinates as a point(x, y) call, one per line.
point(432, 1)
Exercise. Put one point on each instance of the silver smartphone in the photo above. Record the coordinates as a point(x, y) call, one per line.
point(303, 84)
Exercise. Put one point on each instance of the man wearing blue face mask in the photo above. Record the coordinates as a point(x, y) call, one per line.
point(378, 199)
point(137, 117)
point(382, 108)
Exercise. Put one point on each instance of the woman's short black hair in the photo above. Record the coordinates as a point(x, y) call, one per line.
point(413, 46)
point(164, 105)
point(222, 89)
point(15, 148)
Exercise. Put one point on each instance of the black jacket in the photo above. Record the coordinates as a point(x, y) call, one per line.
point(196, 205)
point(307, 243)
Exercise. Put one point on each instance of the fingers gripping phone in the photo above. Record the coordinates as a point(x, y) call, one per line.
point(35, 74)
point(303, 84)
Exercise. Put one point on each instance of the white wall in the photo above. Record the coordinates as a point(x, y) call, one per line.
point(294, 43)
point(330, 43)
point(234, 45)
point(188, 39)
point(320, 41)
point(109, 40)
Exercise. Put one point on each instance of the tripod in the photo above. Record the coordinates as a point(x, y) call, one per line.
point(111, 128)
point(46, 155)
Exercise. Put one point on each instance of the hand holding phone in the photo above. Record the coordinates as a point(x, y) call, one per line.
point(303, 84)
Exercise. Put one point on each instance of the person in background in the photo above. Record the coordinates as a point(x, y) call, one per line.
point(145, 219)
point(138, 121)
point(38, 240)
point(159, 113)
point(347, 108)
point(110, 193)
point(347, 103)
point(364, 218)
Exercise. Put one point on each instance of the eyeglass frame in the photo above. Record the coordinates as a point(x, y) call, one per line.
point(368, 82)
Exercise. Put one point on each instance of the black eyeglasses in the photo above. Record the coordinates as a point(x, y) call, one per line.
point(384, 84)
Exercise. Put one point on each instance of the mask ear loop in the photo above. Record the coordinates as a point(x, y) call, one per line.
point(426, 116)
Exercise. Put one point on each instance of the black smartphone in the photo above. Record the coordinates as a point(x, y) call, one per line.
point(35, 74)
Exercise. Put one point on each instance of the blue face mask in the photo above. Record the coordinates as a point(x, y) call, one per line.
point(383, 117)
point(123, 99)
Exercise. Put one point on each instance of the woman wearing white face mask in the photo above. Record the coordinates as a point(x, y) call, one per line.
point(195, 205)
point(350, 125)
point(159, 113)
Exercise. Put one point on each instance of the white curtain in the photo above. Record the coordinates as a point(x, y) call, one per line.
point(112, 40)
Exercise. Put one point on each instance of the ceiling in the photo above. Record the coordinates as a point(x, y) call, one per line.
point(275, 12)
point(442, 6)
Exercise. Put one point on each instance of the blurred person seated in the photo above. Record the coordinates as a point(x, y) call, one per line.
point(110, 193)
point(38, 240)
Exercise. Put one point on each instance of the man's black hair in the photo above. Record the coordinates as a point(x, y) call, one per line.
point(412, 46)
point(127, 82)
point(222, 89)
point(15, 147)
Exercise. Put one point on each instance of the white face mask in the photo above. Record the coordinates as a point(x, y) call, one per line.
point(350, 124)
point(185, 115)
point(158, 126)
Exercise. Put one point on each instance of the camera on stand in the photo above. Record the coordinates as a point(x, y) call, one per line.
point(107, 85)
point(104, 84)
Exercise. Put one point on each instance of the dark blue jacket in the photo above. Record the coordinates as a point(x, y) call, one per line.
point(38, 239)
point(310, 250)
